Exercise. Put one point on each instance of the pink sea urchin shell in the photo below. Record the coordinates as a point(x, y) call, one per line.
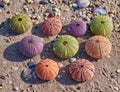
point(77, 28)
point(31, 46)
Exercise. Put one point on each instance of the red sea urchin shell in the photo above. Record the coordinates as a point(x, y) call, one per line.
point(81, 70)
point(31, 46)
point(51, 26)
point(77, 28)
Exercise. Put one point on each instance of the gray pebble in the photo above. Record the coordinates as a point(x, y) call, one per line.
point(44, 2)
point(74, 5)
point(2, 5)
point(72, 60)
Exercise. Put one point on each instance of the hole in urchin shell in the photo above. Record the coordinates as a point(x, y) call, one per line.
point(82, 65)
point(46, 65)
point(97, 41)
point(20, 19)
point(77, 24)
point(65, 42)
point(30, 41)
point(102, 22)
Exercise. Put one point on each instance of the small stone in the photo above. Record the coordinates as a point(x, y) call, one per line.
point(44, 2)
point(0, 11)
point(59, 76)
point(83, 3)
point(31, 64)
point(60, 64)
point(74, 5)
point(72, 60)
point(118, 71)
point(34, 75)
point(65, 1)
point(15, 88)
point(52, 1)
point(6, 1)
point(29, 1)
point(2, 5)
point(27, 74)
point(113, 75)
point(1, 85)
point(116, 88)
point(100, 10)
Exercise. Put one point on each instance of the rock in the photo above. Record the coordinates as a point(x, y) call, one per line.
point(2, 5)
point(34, 75)
point(60, 64)
point(118, 71)
point(65, 1)
point(29, 1)
point(1, 85)
point(0, 11)
point(6, 1)
point(15, 88)
point(74, 5)
point(59, 76)
point(100, 10)
point(116, 88)
point(27, 74)
point(83, 3)
point(31, 64)
point(44, 2)
point(72, 60)
point(51, 1)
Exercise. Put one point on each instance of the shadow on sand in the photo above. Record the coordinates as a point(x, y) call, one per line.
point(12, 53)
point(5, 29)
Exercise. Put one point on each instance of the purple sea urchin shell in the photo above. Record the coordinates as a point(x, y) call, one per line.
point(77, 28)
point(31, 46)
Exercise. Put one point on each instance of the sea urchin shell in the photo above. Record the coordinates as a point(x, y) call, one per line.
point(51, 26)
point(77, 28)
point(21, 23)
point(31, 46)
point(101, 25)
point(98, 46)
point(47, 69)
point(65, 46)
point(81, 70)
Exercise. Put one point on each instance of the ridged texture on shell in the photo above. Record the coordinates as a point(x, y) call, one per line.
point(21, 23)
point(81, 70)
point(101, 25)
point(51, 26)
point(66, 46)
point(47, 69)
point(98, 46)
point(77, 28)
point(31, 46)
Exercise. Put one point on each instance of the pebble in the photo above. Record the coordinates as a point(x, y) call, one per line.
point(65, 1)
point(118, 71)
point(60, 64)
point(15, 88)
point(2, 5)
point(34, 75)
point(59, 76)
point(51, 1)
point(74, 5)
point(0, 11)
point(44, 2)
point(116, 88)
point(72, 60)
point(2, 77)
point(31, 64)
point(27, 74)
point(29, 1)
point(6, 1)
point(83, 3)
point(113, 75)
point(100, 10)
point(1, 85)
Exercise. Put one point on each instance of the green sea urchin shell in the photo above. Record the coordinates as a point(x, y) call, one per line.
point(101, 25)
point(21, 23)
point(65, 46)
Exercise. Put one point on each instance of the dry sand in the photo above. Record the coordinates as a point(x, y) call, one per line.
point(12, 63)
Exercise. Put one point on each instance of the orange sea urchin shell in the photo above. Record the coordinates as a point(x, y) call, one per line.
point(98, 46)
point(81, 70)
point(47, 69)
